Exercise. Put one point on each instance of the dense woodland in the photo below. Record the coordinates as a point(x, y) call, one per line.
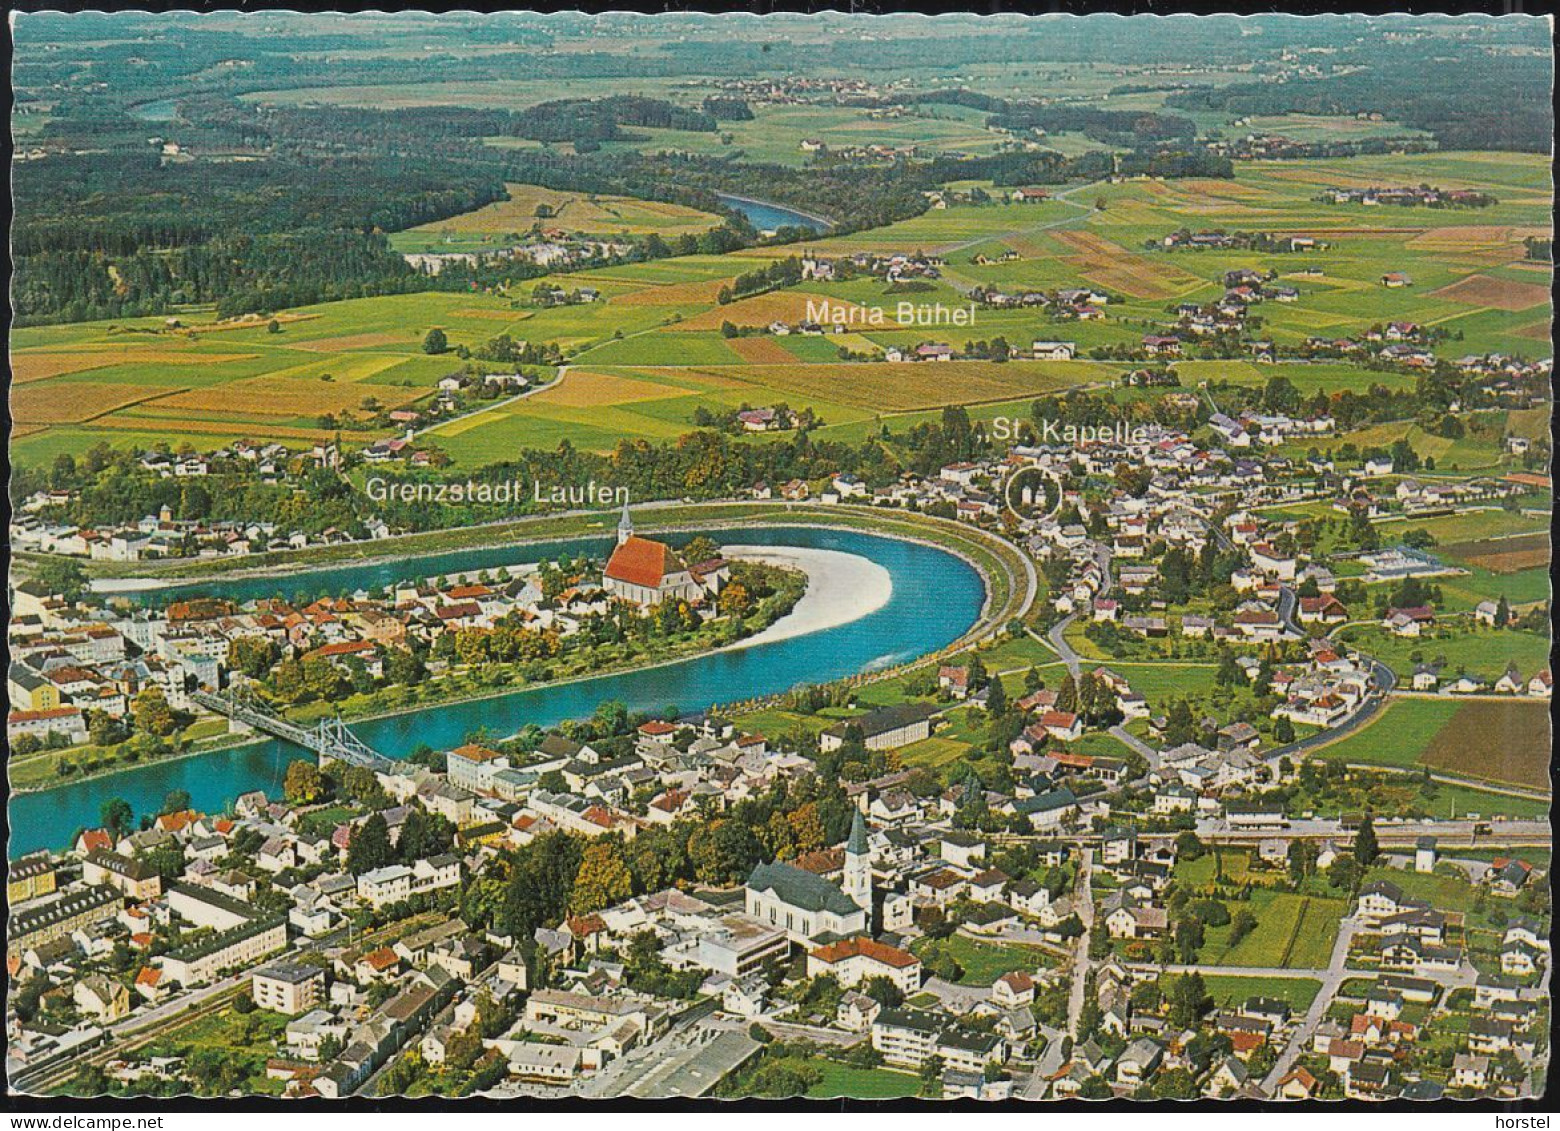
point(1498, 101)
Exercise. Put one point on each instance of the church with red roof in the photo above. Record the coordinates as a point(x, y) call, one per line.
point(647, 572)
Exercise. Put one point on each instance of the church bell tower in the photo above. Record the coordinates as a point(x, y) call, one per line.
point(858, 866)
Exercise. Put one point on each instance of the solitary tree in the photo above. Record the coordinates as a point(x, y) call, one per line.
point(1365, 847)
point(116, 815)
point(435, 341)
point(303, 782)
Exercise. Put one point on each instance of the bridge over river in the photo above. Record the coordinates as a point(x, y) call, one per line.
point(329, 738)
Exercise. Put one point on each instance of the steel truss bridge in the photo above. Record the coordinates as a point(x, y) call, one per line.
point(329, 738)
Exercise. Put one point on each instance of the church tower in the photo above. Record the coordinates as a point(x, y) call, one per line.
point(857, 880)
point(625, 526)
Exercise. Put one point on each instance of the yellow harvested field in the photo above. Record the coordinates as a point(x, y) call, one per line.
point(1483, 245)
point(698, 294)
point(1540, 331)
point(75, 402)
point(40, 365)
point(908, 386)
point(574, 212)
point(761, 310)
point(1033, 246)
point(492, 315)
point(585, 388)
point(1113, 267)
point(1496, 294)
point(516, 214)
point(248, 322)
point(284, 397)
point(1231, 189)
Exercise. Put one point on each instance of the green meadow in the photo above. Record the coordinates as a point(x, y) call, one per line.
point(647, 356)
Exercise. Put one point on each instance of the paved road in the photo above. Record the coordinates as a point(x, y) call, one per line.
point(1125, 736)
point(789, 1031)
point(1026, 229)
point(1083, 899)
point(1332, 978)
point(1058, 641)
point(495, 406)
point(1049, 1064)
point(958, 999)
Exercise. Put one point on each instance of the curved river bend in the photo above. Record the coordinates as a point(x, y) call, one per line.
point(936, 598)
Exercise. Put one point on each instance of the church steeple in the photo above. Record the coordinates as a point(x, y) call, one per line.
point(857, 845)
point(625, 526)
point(857, 878)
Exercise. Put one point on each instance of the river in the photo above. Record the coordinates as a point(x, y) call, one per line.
point(768, 217)
point(936, 598)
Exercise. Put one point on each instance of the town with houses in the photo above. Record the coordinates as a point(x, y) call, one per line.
point(598, 557)
point(1029, 932)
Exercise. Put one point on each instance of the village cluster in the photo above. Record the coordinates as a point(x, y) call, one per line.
point(259, 901)
point(70, 663)
point(264, 901)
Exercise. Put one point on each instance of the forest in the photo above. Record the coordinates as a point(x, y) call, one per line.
point(1504, 102)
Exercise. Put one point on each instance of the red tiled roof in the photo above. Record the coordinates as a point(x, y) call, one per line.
point(176, 822)
point(35, 716)
point(866, 948)
point(642, 561)
point(382, 959)
point(822, 861)
point(345, 648)
point(474, 753)
point(1243, 1041)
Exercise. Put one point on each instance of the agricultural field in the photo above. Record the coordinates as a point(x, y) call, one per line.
point(775, 133)
point(1447, 888)
point(1500, 741)
point(1232, 990)
point(1460, 645)
point(498, 225)
point(1505, 742)
point(650, 353)
point(1293, 931)
point(861, 1083)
